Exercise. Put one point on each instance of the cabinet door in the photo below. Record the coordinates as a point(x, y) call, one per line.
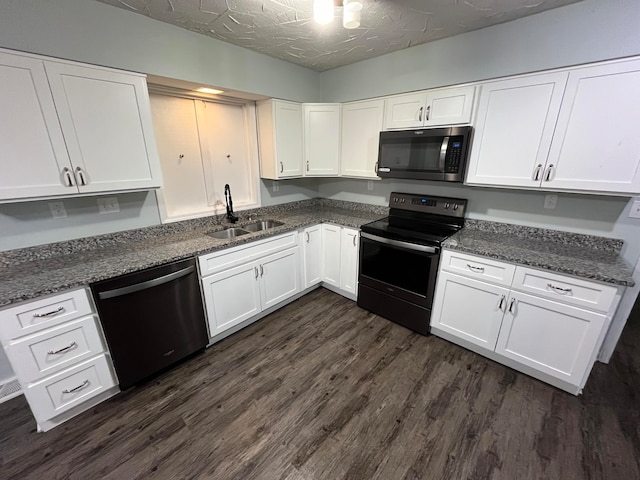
point(469, 309)
point(513, 130)
point(331, 254)
point(107, 125)
point(34, 156)
point(288, 139)
point(322, 139)
point(449, 106)
point(596, 145)
point(361, 125)
point(312, 252)
point(231, 297)
point(280, 279)
point(349, 260)
point(404, 111)
point(554, 338)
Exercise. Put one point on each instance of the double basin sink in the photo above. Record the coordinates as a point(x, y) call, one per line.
point(233, 232)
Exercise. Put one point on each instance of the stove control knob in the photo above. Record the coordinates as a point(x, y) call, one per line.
point(455, 206)
point(446, 205)
point(395, 199)
point(402, 201)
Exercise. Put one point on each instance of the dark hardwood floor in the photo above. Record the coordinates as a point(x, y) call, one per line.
point(324, 390)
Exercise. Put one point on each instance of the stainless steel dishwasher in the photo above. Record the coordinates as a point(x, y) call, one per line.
point(151, 319)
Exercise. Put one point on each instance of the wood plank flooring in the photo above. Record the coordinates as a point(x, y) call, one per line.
point(324, 390)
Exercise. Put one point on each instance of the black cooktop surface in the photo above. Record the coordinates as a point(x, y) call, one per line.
point(413, 230)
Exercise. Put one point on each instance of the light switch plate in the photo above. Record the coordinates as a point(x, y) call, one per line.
point(108, 205)
point(635, 209)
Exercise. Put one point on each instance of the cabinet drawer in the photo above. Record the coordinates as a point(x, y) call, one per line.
point(64, 390)
point(218, 261)
point(582, 293)
point(32, 317)
point(477, 267)
point(55, 349)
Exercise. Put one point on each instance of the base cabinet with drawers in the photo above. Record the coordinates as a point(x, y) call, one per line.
point(57, 350)
point(547, 325)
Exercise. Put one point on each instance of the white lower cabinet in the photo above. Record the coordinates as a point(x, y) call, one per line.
point(254, 277)
point(312, 255)
point(331, 238)
point(340, 247)
point(349, 260)
point(549, 335)
point(57, 350)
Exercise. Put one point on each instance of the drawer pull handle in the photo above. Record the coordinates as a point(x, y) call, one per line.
point(473, 268)
point(48, 314)
point(513, 302)
point(75, 389)
point(501, 303)
point(558, 289)
point(62, 350)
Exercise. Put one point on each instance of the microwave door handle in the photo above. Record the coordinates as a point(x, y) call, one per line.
point(443, 152)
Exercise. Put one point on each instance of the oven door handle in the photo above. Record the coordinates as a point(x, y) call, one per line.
point(398, 243)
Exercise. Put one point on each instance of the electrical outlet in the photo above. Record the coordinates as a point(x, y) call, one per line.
point(370, 185)
point(276, 186)
point(57, 210)
point(550, 201)
point(635, 209)
point(108, 205)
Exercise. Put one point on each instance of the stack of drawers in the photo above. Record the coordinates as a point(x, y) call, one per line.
point(56, 348)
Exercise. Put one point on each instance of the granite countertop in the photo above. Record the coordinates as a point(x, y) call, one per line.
point(586, 256)
point(33, 272)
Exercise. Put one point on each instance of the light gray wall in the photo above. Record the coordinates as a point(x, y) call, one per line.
point(96, 33)
point(30, 223)
point(292, 190)
point(583, 32)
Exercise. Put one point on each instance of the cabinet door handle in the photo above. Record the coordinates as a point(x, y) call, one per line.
point(307, 233)
point(511, 305)
point(63, 349)
point(67, 176)
point(80, 173)
point(48, 314)
point(428, 112)
point(536, 172)
point(281, 167)
point(375, 168)
point(256, 270)
point(75, 389)
point(547, 176)
point(559, 289)
point(501, 303)
point(307, 166)
point(261, 270)
point(354, 240)
point(420, 114)
point(473, 268)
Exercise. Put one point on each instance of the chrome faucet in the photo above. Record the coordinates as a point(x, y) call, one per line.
point(227, 197)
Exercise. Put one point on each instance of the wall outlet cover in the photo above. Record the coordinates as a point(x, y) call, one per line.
point(635, 209)
point(108, 205)
point(370, 185)
point(276, 186)
point(57, 210)
point(550, 201)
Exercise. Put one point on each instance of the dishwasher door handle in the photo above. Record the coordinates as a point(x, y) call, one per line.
point(117, 292)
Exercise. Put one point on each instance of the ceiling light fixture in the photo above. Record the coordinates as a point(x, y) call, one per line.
point(323, 12)
point(209, 90)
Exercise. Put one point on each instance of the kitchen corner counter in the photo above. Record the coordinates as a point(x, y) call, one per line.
point(37, 271)
point(586, 256)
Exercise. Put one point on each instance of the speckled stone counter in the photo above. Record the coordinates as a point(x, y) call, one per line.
point(32, 272)
point(587, 256)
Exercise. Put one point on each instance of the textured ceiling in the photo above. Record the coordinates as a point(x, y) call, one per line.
point(285, 28)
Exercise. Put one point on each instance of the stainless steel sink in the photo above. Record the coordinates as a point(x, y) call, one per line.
point(262, 225)
point(228, 233)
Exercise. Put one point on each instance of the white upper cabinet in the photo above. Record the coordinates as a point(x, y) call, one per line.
point(69, 128)
point(106, 120)
point(596, 145)
point(444, 106)
point(280, 139)
point(322, 139)
point(361, 126)
point(513, 130)
point(34, 156)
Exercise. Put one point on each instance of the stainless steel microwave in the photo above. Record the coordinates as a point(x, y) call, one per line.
point(426, 154)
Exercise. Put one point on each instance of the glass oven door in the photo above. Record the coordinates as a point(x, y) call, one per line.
point(401, 269)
